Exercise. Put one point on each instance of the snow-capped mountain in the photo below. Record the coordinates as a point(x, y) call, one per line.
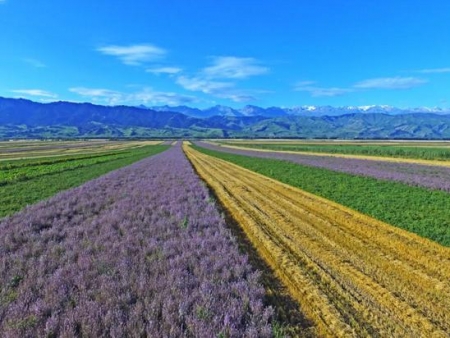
point(21, 118)
point(251, 110)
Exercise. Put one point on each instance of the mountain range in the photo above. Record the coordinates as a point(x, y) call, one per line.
point(250, 110)
point(20, 118)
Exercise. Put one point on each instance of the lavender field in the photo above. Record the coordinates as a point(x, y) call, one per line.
point(432, 177)
point(140, 252)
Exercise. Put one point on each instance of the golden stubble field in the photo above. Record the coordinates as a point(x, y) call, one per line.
point(352, 275)
point(15, 150)
point(439, 163)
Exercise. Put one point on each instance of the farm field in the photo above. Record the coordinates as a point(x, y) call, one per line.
point(422, 211)
point(147, 246)
point(435, 151)
point(353, 275)
point(411, 143)
point(428, 174)
point(141, 251)
point(19, 150)
point(32, 178)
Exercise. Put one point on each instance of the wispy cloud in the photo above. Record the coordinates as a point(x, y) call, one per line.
point(231, 67)
point(35, 92)
point(238, 97)
point(99, 94)
point(391, 83)
point(315, 91)
point(135, 54)
point(434, 71)
point(164, 70)
point(144, 96)
point(203, 85)
point(222, 76)
point(302, 84)
point(34, 62)
point(220, 89)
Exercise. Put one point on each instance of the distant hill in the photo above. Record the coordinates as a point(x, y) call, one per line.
point(356, 125)
point(21, 118)
point(250, 110)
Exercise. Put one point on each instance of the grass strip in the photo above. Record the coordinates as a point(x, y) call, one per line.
point(17, 195)
point(419, 210)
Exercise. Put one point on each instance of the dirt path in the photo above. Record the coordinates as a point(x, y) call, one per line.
point(352, 275)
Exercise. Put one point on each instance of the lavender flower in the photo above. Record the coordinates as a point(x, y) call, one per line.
point(140, 251)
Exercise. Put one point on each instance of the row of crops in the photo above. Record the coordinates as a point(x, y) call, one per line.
point(353, 275)
point(413, 152)
point(23, 182)
point(145, 251)
point(36, 149)
point(142, 251)
point(430, 176)
point(408, 206)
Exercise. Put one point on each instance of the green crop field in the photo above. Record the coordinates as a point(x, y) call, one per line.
point(26, 181)
point(422, 211)
point(411, 151)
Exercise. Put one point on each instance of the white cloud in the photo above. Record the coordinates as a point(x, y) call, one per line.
point(224, 90)
point(107, 96)
point(203, 85)
point(164, 70)
point(308, 86)
point(147, 95)
point(390, 83)
point(231, 67)
point(144, 96)
point(434, 71)
point(239, 97)
point(34, 62)
point(35, 92)
point(220, 78)
point(304, 84)
point(135, 54)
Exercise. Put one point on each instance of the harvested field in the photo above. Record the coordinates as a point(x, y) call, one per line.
point(352, 275)
point(415, 174)
point(441, 162)
point(18, 150)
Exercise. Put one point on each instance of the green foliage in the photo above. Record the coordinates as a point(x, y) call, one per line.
point(419, 210)
point(7, 297)
point(13, 171)
point(279, 330)
point(184, 223)
point(105, 130)
point(48, 178)
point(24, 324)
point(15, 281)
point(425, 153)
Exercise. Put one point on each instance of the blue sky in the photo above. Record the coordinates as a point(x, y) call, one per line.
point(204, 52)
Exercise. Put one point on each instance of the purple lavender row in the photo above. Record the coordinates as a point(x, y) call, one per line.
point(432, 177)
point(141, 251)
